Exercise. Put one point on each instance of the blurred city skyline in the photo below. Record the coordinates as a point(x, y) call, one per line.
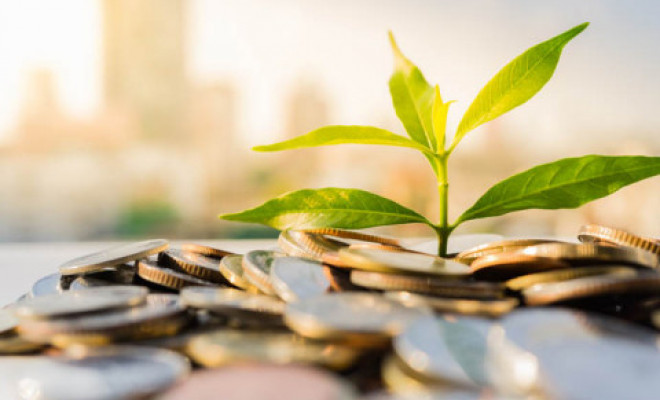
point(130, 118)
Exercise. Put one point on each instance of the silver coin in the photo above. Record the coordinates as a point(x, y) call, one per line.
point(531, 327)
point(296, 278)
point(452, 349)
point(90, 282)
point(113, 256)
point(524, 334)
point(76, 302)
point(155, 307)
point(231, 301)
point(231, 267)
point(7, 321)
point(49, 284)
point(336, 314)
point(256, 267)
point(608, 368)
point(93, 374)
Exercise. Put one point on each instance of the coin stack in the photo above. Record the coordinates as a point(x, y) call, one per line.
point(335, 314)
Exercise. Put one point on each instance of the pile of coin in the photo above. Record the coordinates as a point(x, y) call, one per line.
point(334, 314)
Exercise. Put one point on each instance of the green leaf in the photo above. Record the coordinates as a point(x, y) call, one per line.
point(516, 83)
point(328, 207)
point(412, 98)
point(566, 183)
point(343, 134)
point(439, 115)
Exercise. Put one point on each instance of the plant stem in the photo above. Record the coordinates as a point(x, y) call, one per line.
point(443, 229)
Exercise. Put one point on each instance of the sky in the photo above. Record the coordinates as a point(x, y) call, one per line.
point(605, 88)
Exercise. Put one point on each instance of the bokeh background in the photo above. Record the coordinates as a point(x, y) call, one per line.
point(134, 118)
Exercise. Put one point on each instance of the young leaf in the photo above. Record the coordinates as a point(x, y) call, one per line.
point(343, 134)
point(412, 98)
point(516, 83)
point(439, 116)
point(566, 183)
point(328, 207)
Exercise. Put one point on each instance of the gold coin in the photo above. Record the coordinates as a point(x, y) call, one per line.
point(232, 302)
point(401, 261)
point(256, 268)
point(590, 253)
point(167, 277)
point(227, 347)
point(501, 246)
point(364, 319)
point(309, 245)
point(194, 264)
point(526, 281)
point(296, 278)
point(398, 378)
point(113, 256)
point(161, 315)
point(598, 233)
point(592, 286)
point(655, 318)
point(345, 234)
point(80, 302)
point(427, 284)
point(205, 250)
point(231, 267)
point(487, 308)
point(8, 322)
point(12, 343)
point(503, 266)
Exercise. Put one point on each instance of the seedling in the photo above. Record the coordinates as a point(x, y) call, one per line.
point(566, 183)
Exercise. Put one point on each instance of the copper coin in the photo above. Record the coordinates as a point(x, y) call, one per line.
point(167, 277)
point(204, 250)
point(310, 245)
point(526, 281)
point(500, 246)
point(345, 234)
point(591, 253)
point(503, 266)
point(194, 264)
point(592, 286)
point(487, 308)
point(427, 285)
point(597, 233)
point(262, 382)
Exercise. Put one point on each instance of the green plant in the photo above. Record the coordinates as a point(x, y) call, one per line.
point(566, 183)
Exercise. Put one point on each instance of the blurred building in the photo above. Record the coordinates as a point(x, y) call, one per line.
point(144, 64)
